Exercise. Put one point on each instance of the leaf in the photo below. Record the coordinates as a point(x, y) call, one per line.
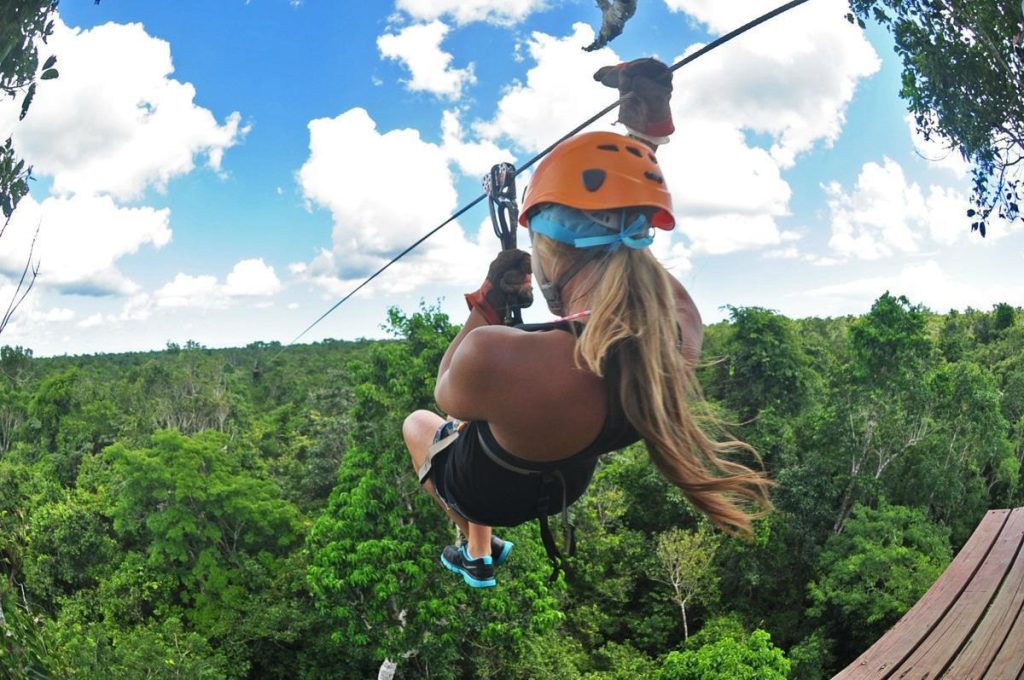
point(28, 101)
point(971, 212)
point(49, 74)
point(982, 229)
point(50, 62)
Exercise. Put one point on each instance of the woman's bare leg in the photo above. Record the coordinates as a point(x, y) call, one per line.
point(418, 431)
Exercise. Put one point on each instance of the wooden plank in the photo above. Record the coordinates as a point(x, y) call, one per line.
point(992, 634)
point(901, 640)
point(1009, 662)
point(947, 638)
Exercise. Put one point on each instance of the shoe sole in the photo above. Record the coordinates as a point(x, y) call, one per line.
point(471, 581)
point(503, 555)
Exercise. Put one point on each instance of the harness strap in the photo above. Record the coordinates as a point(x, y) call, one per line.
point(543, 507)
point(444, 437)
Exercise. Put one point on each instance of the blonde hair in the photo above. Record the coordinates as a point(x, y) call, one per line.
point(633, 314)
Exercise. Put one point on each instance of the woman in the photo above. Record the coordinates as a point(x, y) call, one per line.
point(534, 406)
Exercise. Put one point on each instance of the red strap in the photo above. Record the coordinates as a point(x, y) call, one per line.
point(661, 128)
point(478, 300)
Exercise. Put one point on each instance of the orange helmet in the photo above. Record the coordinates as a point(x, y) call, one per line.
point(600, 171)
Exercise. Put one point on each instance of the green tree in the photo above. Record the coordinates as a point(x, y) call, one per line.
point(54, 401)
point(69, 548)
point(612, 596)
point(967, 455)
point(1005, 315)
point(686, 562)
point(881, 409)
point(964, 84)
point(765, 364)
point(24, 24)
point(26, 653)
point(874, 571)
point(749, 658)
point(166, 649)
point(211, 536)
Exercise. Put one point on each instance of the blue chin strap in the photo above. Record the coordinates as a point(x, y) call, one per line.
point(581, 230)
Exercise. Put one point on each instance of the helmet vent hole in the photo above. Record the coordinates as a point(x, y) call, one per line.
point(654, 177)
point(593, 179)
point(635, 151)
point(608, 147)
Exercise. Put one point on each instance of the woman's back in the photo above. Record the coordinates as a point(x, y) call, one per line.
point(526, 385)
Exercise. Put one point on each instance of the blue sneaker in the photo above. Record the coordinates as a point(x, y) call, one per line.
point(500, 550)
point(477, 573)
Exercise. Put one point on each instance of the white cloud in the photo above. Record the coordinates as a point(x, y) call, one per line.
point(552, 101)
point(728, 233)
point(449, 258)
point(352, 172)
point(384, 192)
point(790, 253)
point(820, 261)
point(248, 278)
point(671, 252)
point(791, 78)
point(138, 307)
point(938, 151)
point(502, 12)
point(91, 321)
point(473, 158)
point(115, 122)
point(418, 47)
point(925, 283)
point(885, 214)
point(80, 239)
point(252, 278)
point(711, 171)
point(191, 291)
point(56, 314)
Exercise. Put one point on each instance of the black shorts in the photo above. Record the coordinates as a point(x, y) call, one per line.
point(484, 492)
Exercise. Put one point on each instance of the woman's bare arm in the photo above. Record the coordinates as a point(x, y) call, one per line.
point(473, 379)
point(475, 320)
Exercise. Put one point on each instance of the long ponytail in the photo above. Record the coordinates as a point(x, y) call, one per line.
point(633, 315)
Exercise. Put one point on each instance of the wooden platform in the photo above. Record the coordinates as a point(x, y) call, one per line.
point(970, 624)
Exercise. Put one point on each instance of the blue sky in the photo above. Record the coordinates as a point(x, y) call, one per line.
point(224, 171)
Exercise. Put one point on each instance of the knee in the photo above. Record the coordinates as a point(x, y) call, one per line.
point(415, 425)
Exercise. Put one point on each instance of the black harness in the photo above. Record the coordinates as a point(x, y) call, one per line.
point(543, 506)
point(616, 433)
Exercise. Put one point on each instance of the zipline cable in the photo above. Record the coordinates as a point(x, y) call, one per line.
point(675, 67)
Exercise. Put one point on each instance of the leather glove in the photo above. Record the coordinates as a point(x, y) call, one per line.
point(506, 287)
point(645, 113)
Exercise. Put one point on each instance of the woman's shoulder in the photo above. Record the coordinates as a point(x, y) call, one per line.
point(510, 350)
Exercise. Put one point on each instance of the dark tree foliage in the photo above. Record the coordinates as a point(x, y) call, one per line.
point(765, 364)
point(252, 513)
point(24, 24)
point(963, 79)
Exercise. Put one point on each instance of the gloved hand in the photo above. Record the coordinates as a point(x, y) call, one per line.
point(646, 112)
point(506, 287)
